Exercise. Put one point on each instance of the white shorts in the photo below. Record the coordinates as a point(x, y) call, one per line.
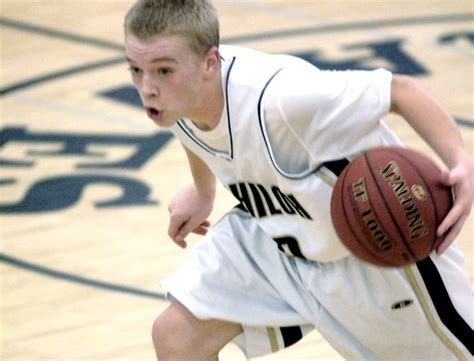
point(236, 273)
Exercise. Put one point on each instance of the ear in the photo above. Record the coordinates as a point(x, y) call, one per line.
point(212, 61)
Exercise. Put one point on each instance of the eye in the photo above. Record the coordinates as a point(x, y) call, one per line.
point(134, 70)
point(164, 71)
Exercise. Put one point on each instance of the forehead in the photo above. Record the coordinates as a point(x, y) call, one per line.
point(171, 47)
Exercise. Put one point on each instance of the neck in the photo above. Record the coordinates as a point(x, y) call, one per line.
point(212, 106)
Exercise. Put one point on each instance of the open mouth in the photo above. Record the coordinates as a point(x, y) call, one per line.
point(154, 113)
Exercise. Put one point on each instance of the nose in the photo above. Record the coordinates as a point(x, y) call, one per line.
point(149, 87)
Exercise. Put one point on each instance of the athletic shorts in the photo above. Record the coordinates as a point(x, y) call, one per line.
point(238, 274)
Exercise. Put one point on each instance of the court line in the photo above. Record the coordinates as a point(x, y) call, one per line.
point(42, 30)
point(465, 122)
point(357, 25)
point(61, 74)
point(84, 281)
point(141, 124)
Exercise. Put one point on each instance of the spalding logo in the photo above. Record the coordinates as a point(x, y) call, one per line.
point(419, 192)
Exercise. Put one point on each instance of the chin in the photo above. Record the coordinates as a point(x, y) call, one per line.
point(164, 123)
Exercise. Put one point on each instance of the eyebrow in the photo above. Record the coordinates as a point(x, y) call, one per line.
point(156, 60)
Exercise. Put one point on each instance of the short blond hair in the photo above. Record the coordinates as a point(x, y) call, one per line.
point(195, 19)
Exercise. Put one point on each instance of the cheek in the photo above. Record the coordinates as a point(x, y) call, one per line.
point(182, 89)
point(192, 83)
point(136, 82)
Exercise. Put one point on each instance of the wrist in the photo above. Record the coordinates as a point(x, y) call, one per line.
point(206, 191)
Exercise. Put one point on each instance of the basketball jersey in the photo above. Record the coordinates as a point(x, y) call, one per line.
point(282, 169)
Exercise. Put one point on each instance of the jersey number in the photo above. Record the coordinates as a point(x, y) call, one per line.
point(289, 245)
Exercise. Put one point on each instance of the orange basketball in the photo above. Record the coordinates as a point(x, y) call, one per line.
point(387, 204)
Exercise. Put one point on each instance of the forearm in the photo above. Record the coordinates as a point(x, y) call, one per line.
point(428, 117)
point(204, 179)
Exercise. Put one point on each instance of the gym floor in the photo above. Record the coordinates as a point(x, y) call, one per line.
point(86, 178)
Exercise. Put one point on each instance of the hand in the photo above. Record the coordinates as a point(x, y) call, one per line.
point(461, 178)
point(188, 214)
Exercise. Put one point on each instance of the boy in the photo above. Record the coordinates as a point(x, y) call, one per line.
point(276, 132)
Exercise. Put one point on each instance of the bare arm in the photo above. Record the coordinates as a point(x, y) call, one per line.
point(434, 124)
point(192, 205)
point(204, 179)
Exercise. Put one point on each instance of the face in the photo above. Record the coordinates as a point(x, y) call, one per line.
point(169, 77)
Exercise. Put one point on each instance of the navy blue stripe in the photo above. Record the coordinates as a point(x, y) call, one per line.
point(464, 122)
point(291, 335)
point(28, 266)
point(61, 74)
point(52, 33)
point(228, 109)
point(357, 25)
point(196, 140)
point(347, 26)
point(443, 304)
point(260, 120)
point(336, 166)
point(202, 144)
point(42, 30)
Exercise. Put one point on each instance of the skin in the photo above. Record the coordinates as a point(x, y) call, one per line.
point(179, 83)
point(198, 339)
point(429, 118)
point(174, 82)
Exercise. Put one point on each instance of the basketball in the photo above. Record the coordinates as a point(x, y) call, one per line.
point(387, 204)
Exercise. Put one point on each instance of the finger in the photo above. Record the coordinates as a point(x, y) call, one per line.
point(180, 242)
point(205, 225)
point(201, 230)
point(186, 228)
point(174, 231)
point(451, 235)
point(451, 218)
point(174, 226)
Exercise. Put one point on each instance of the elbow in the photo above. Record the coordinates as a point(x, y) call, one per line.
point(403, 87)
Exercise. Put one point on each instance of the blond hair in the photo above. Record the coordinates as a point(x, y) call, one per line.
point(195, 19)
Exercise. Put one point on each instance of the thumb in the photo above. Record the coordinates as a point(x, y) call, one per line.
point(448, 178)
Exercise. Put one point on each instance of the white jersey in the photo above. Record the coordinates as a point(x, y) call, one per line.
point(286, 132)
point(280, 155)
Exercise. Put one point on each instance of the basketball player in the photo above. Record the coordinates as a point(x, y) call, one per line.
point(276, 132)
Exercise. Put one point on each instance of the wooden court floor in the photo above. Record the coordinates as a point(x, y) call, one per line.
point(85, 178)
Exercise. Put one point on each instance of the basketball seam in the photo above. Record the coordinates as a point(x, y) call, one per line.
point(433, 243)
point(393, 218)
point(349, 224)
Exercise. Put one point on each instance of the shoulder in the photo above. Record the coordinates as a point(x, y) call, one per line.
point(251, 66)
point(303, 87)
point(298, 79)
